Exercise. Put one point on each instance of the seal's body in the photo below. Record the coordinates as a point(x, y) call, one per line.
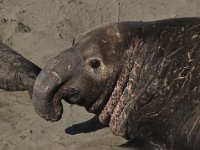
point(160, 96)
point(16, 72)
point(141, 78)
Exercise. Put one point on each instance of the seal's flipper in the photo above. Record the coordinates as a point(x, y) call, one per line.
point(16, 72)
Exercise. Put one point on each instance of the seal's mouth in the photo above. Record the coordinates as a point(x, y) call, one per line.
point(98, 105)
point(73, 96)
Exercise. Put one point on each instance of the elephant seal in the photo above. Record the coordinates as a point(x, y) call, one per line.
point(140, 78)
point(16, 72)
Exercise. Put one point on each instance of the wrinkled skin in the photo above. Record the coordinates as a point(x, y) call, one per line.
point(16, 72)
point(142, 79)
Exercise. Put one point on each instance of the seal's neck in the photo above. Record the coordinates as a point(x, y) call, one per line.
point(124, 88)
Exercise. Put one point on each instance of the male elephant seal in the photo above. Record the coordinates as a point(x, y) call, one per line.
point(16, 72)
point(141, 78)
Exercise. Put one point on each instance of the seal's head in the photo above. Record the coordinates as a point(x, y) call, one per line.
point(84, 74)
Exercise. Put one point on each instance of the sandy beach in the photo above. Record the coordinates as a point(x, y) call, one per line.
point(39, 30)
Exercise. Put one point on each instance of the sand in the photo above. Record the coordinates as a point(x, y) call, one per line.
point(40, 30)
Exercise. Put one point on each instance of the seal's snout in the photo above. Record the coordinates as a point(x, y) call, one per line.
point(53, 115)
point(43, 97)
point(51, 86)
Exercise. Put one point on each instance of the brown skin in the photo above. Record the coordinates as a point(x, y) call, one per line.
point(140, 78)
point(16, 72)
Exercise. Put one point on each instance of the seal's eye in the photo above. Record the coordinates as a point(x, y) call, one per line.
point(95, 63)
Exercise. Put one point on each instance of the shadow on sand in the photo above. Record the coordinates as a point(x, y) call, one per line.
point(85, 127)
